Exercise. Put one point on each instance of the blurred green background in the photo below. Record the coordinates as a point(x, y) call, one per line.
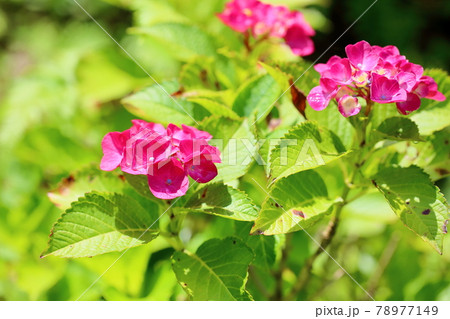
point(61, 80)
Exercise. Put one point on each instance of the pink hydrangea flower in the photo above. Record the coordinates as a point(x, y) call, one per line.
point(166, 156)
point(261, 19)
point(376, 74)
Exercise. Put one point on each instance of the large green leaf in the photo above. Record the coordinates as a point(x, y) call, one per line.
point(222, 200)
point(183, 41)
point(84, 181)
point(235, 140)
point(295, 203)
point(381, 112)
point(102, 222)
point(304, 147)
point(217, 271)
point(139, 184)
point(399, 128)
point(335, 122)
point(264, 247)
point(258, 95)
point(214, 107)
point(154, 104)
point(433, 120)
point(418, 203)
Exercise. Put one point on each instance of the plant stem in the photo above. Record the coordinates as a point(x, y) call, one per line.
point(384, 261)
point(258, 282)
point(278, 293)
point(304, 276)
point(173, 230)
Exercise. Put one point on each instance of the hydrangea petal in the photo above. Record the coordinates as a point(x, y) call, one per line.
point(167, 179)
point(361, 56)
point(411, 104)
point(113, 147)
point(384, 90)
point(298, 41)
point(349, 105)
point(201, 169)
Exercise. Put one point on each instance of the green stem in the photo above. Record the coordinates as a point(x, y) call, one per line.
point(278, 293)
point(173, 230)
point(328, 235)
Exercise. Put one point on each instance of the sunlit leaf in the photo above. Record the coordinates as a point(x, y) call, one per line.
point(236, 143)
point(399, 128)
point(156, 104)
point(416, 201)
point(102, 222)
point(304, 147)
point(294, 203)
point(217, 271)
point(257, 95)
point(181, 40)
point(222, 200)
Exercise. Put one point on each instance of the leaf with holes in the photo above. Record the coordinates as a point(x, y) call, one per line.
point(294, 203)
point(217, 271)
point(222, 200)
point(399, 128)
point(99, 223)
point(418, 203)
point(304, 147)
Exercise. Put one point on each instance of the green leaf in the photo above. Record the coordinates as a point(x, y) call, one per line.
point(295, 203)
point(214, 107)
point(217, 271)
point(279, 76)
point(335, 122)
point(264, 247)
point(432, 120)
point(222, 200)
point(211, 73)
point(257, 95)
point(399, 128)
point(99, 223)
point(199, 74)
point(183, 41)
point(382, 112)
point(139, 184)
point(302, 74)
point(84, 181)
point(235, 140)
point(418, 203)
point(304, 147)
point(154, 104)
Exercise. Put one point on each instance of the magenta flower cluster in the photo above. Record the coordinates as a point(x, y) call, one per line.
point(166, 156)
point(260, 19)
point(377, 74)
